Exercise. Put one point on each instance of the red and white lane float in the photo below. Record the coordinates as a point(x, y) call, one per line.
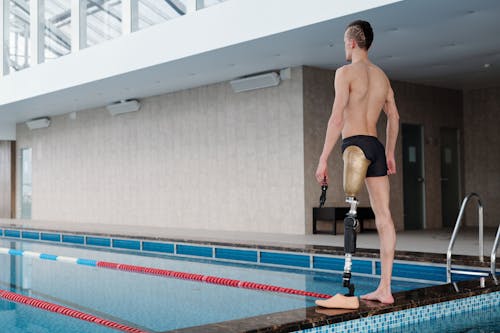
point(166, 273)
point(65, 311)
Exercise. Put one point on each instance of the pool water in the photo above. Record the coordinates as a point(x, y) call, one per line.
point(149, 302)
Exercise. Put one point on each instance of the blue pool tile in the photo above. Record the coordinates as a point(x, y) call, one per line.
point(433, 273)
point(87, 262)
point(233, 254)
point(337, 264)
point(50, 237)
point(297, 260)
point(1, 232)
point(201, 251)
point(158, 247)
point(30, 235)
point(334, 264)
point(127, 244)
point(12, 233)
point(98, 241)
point(73, 239)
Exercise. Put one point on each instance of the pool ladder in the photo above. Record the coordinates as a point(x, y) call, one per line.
point(449, 270)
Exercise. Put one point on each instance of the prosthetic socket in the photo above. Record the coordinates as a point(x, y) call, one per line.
point(355, 166)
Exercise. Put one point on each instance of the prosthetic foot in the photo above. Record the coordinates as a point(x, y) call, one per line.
point(339, 302)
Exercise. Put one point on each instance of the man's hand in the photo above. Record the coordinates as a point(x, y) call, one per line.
point(391, 165)
point(321, 172)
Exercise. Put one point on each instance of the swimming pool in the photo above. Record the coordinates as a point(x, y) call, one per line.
point(149, 302)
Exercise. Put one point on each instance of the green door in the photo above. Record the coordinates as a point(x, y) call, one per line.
point(413, 176)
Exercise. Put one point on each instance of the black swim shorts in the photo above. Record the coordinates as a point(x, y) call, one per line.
point(374, 151)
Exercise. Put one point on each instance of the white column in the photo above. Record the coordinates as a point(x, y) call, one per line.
point(130, 16)
point(191, 5)
point(37, 32)
point(78, 25)
point(4, 37)
point(200, 4)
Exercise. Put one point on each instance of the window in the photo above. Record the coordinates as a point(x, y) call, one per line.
point(26, 183)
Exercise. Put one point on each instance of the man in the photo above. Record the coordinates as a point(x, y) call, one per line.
point(362, 90)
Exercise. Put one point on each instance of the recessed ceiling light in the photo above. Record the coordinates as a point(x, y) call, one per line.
point(331, 45)
point(451, 44)
point(392, 29)
point(486, 65)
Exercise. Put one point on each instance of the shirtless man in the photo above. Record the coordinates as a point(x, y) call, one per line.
point(362, 90)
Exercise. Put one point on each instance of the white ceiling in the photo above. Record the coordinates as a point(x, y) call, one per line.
point(444, 43)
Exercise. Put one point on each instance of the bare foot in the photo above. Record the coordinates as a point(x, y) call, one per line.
point(339, 302)
point(380, 296)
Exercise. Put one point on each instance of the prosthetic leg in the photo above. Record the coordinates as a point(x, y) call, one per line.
point(355, 166)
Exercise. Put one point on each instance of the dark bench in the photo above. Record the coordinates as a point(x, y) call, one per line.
point(334, 214)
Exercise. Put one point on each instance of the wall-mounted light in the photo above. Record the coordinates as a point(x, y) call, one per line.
point(124, 106)
point(38, 123)
point(255, 82)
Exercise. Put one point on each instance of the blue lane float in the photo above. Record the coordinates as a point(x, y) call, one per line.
point(46, 256)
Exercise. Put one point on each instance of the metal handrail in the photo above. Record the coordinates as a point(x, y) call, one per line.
point(457, 227)
point(493, 256)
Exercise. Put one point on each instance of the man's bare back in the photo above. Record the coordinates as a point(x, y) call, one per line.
point(368, 91)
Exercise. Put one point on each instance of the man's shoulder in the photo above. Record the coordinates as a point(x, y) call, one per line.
point(343, 72)
point(380, 70)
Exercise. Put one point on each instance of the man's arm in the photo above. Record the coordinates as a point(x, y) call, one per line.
point(391, 111)
point(335, 123)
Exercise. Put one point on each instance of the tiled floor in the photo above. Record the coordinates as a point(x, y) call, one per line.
point(435, 241)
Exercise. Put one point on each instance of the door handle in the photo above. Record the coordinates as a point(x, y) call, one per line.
point(420, 180)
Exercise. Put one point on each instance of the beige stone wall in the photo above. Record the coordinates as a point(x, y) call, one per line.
point(482, 151)
point(6, 179)
point(208, 158)
point(204, 158)
point(428, 106)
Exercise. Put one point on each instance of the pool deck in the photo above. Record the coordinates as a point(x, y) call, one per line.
point(435, 241)
point(422, 245)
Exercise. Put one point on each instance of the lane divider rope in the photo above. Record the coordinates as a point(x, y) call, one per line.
point(166, 273)
point(65, 311)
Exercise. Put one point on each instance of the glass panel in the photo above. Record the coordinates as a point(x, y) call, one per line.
point(57, 28)
point(19, 34)
point(104, 20)
point(152, 12)
point(26, 183)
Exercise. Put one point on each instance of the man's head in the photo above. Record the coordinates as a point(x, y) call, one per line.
point(358, 34)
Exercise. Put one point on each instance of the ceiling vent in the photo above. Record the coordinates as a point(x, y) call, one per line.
point(38, 123)
point(124, 106)
point(255, 82)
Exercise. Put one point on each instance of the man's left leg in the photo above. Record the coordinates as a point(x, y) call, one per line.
point(378, 189)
